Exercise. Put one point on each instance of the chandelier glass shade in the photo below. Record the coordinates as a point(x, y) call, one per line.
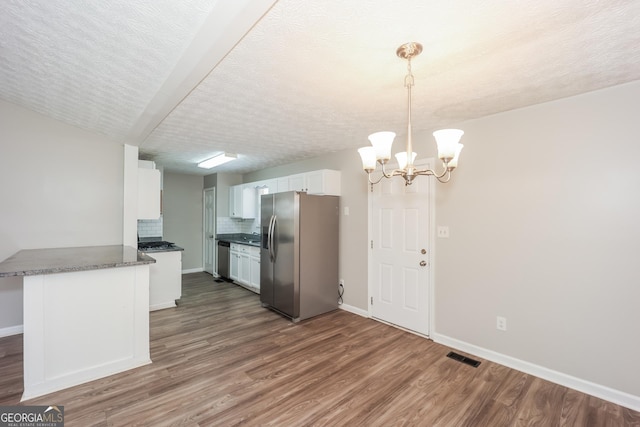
point(379, 152)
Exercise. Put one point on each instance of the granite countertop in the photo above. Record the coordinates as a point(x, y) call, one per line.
point(33, 262)
point(241, 238)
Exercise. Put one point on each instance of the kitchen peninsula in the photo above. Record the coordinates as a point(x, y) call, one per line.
point(86, 313)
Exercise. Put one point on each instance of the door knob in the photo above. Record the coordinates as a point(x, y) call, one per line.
point(423, 251)
point(423, 263)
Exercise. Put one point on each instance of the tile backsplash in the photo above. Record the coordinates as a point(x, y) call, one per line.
point(224, 225)
point(150, 227)
point(227, 225)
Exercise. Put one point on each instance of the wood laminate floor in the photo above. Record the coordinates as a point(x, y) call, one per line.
point(220, 359)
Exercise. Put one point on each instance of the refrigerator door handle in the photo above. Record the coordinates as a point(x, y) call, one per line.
point(267, 244)
point(269, 238)
point(274, 219)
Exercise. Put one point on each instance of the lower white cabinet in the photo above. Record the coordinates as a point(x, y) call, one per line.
point(234, 262)
point(255, 272)
point(165, 279)
point(244, 266)
point(244, 275)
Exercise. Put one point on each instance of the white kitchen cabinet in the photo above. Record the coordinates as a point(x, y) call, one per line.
point(234, 261)
point(282, 184)
point(244, 275)
point(298, 182)
point(271, 185)
point(325, 181)
point(245, 266)
point(148, 193)
point(295, 182)
point(254, 261)
point(242, 201)
point(165, 279)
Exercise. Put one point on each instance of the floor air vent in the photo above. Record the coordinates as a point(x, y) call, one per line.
point(463, 359)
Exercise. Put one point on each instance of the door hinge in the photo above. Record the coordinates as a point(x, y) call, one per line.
point(371, 300)
point(372, 244)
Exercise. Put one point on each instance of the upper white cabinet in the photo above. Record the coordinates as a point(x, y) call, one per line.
point(148, 193)
point(298, 182)
point(268, 186)
point(242, 201)
point(282, 184)
point(324, 181)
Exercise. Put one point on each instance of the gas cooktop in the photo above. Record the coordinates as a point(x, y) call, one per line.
point(162, 244)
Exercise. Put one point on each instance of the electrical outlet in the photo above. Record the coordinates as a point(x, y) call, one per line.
point(443, 231)
point(501, 323)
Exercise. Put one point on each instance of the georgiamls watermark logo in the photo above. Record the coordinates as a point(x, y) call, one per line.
point(31, 416)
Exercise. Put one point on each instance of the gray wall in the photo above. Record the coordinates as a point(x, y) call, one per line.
point(182, 215)
point(60, 187)
point(543, 214)
point(210, 181)
point(544, 228)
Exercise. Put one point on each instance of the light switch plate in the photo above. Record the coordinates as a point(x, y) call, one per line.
point(443, 231)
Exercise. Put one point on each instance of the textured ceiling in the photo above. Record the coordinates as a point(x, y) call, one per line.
point(281, 81)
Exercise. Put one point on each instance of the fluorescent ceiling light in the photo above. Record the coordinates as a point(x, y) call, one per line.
point(217, 160)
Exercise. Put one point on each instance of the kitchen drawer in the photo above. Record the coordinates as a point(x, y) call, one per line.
point(245, 249)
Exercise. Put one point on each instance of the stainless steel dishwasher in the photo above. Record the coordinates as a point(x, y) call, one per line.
point(223, 258)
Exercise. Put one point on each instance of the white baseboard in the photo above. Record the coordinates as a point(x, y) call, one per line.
point(192, 270)
point(603, 392)
point(11, 330)
point(354, 310)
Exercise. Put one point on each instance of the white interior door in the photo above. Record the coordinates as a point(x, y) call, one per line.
point(401, 222)
point(209, 230)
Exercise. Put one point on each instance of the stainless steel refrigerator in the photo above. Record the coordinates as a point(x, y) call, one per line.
point(299, 254)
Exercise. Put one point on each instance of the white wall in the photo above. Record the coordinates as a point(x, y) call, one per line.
point(543, 213)
point(60, 186)
point(182, 216)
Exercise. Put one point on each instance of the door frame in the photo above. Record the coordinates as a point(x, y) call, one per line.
point(422, 163)
point(204, 230)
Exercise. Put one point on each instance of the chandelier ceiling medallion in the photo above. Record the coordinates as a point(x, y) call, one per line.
point(447, 140)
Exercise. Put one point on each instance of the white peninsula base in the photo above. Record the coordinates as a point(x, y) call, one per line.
point(86, 313)
point(84, 325)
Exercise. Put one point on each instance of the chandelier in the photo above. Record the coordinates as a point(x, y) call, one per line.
point(447, 140)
